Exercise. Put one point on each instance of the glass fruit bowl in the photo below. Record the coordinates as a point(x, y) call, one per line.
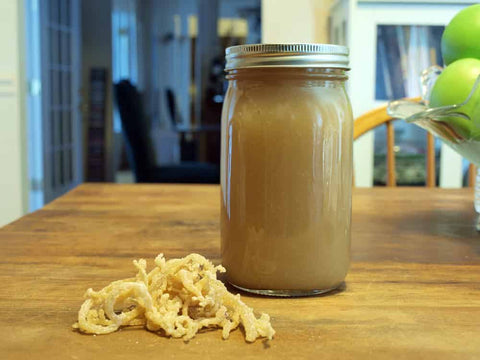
point(457, 129)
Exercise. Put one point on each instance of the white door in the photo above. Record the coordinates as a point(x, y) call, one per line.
point(55, 132)
point(13, 184)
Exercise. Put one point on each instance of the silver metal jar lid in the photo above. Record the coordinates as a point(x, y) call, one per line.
point(287, 55)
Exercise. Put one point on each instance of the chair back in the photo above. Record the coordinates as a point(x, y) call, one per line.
point(172, 108)
point(379, 117)
point(135, 128)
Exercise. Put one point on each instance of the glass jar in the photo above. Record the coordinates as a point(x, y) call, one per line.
point(286, 169)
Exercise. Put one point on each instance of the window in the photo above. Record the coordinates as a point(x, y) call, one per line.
point(403, 52)
point(124, 47)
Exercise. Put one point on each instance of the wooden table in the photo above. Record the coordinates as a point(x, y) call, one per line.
point(413, 291)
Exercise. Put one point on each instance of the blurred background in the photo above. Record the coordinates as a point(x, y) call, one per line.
point(131, 90)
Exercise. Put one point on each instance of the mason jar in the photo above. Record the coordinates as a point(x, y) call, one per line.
point(286, 168)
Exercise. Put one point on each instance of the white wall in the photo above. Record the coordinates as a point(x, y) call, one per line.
point(290, 21)
point(13, 149)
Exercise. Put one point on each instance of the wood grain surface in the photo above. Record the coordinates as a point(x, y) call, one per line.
point(413, 291)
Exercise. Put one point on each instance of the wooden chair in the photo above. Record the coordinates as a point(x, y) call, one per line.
point(379, 116)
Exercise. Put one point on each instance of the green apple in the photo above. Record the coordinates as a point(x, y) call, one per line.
point(461, 38)
point(453, 87)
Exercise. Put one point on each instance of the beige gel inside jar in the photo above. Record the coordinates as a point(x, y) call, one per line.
point(286, 178)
